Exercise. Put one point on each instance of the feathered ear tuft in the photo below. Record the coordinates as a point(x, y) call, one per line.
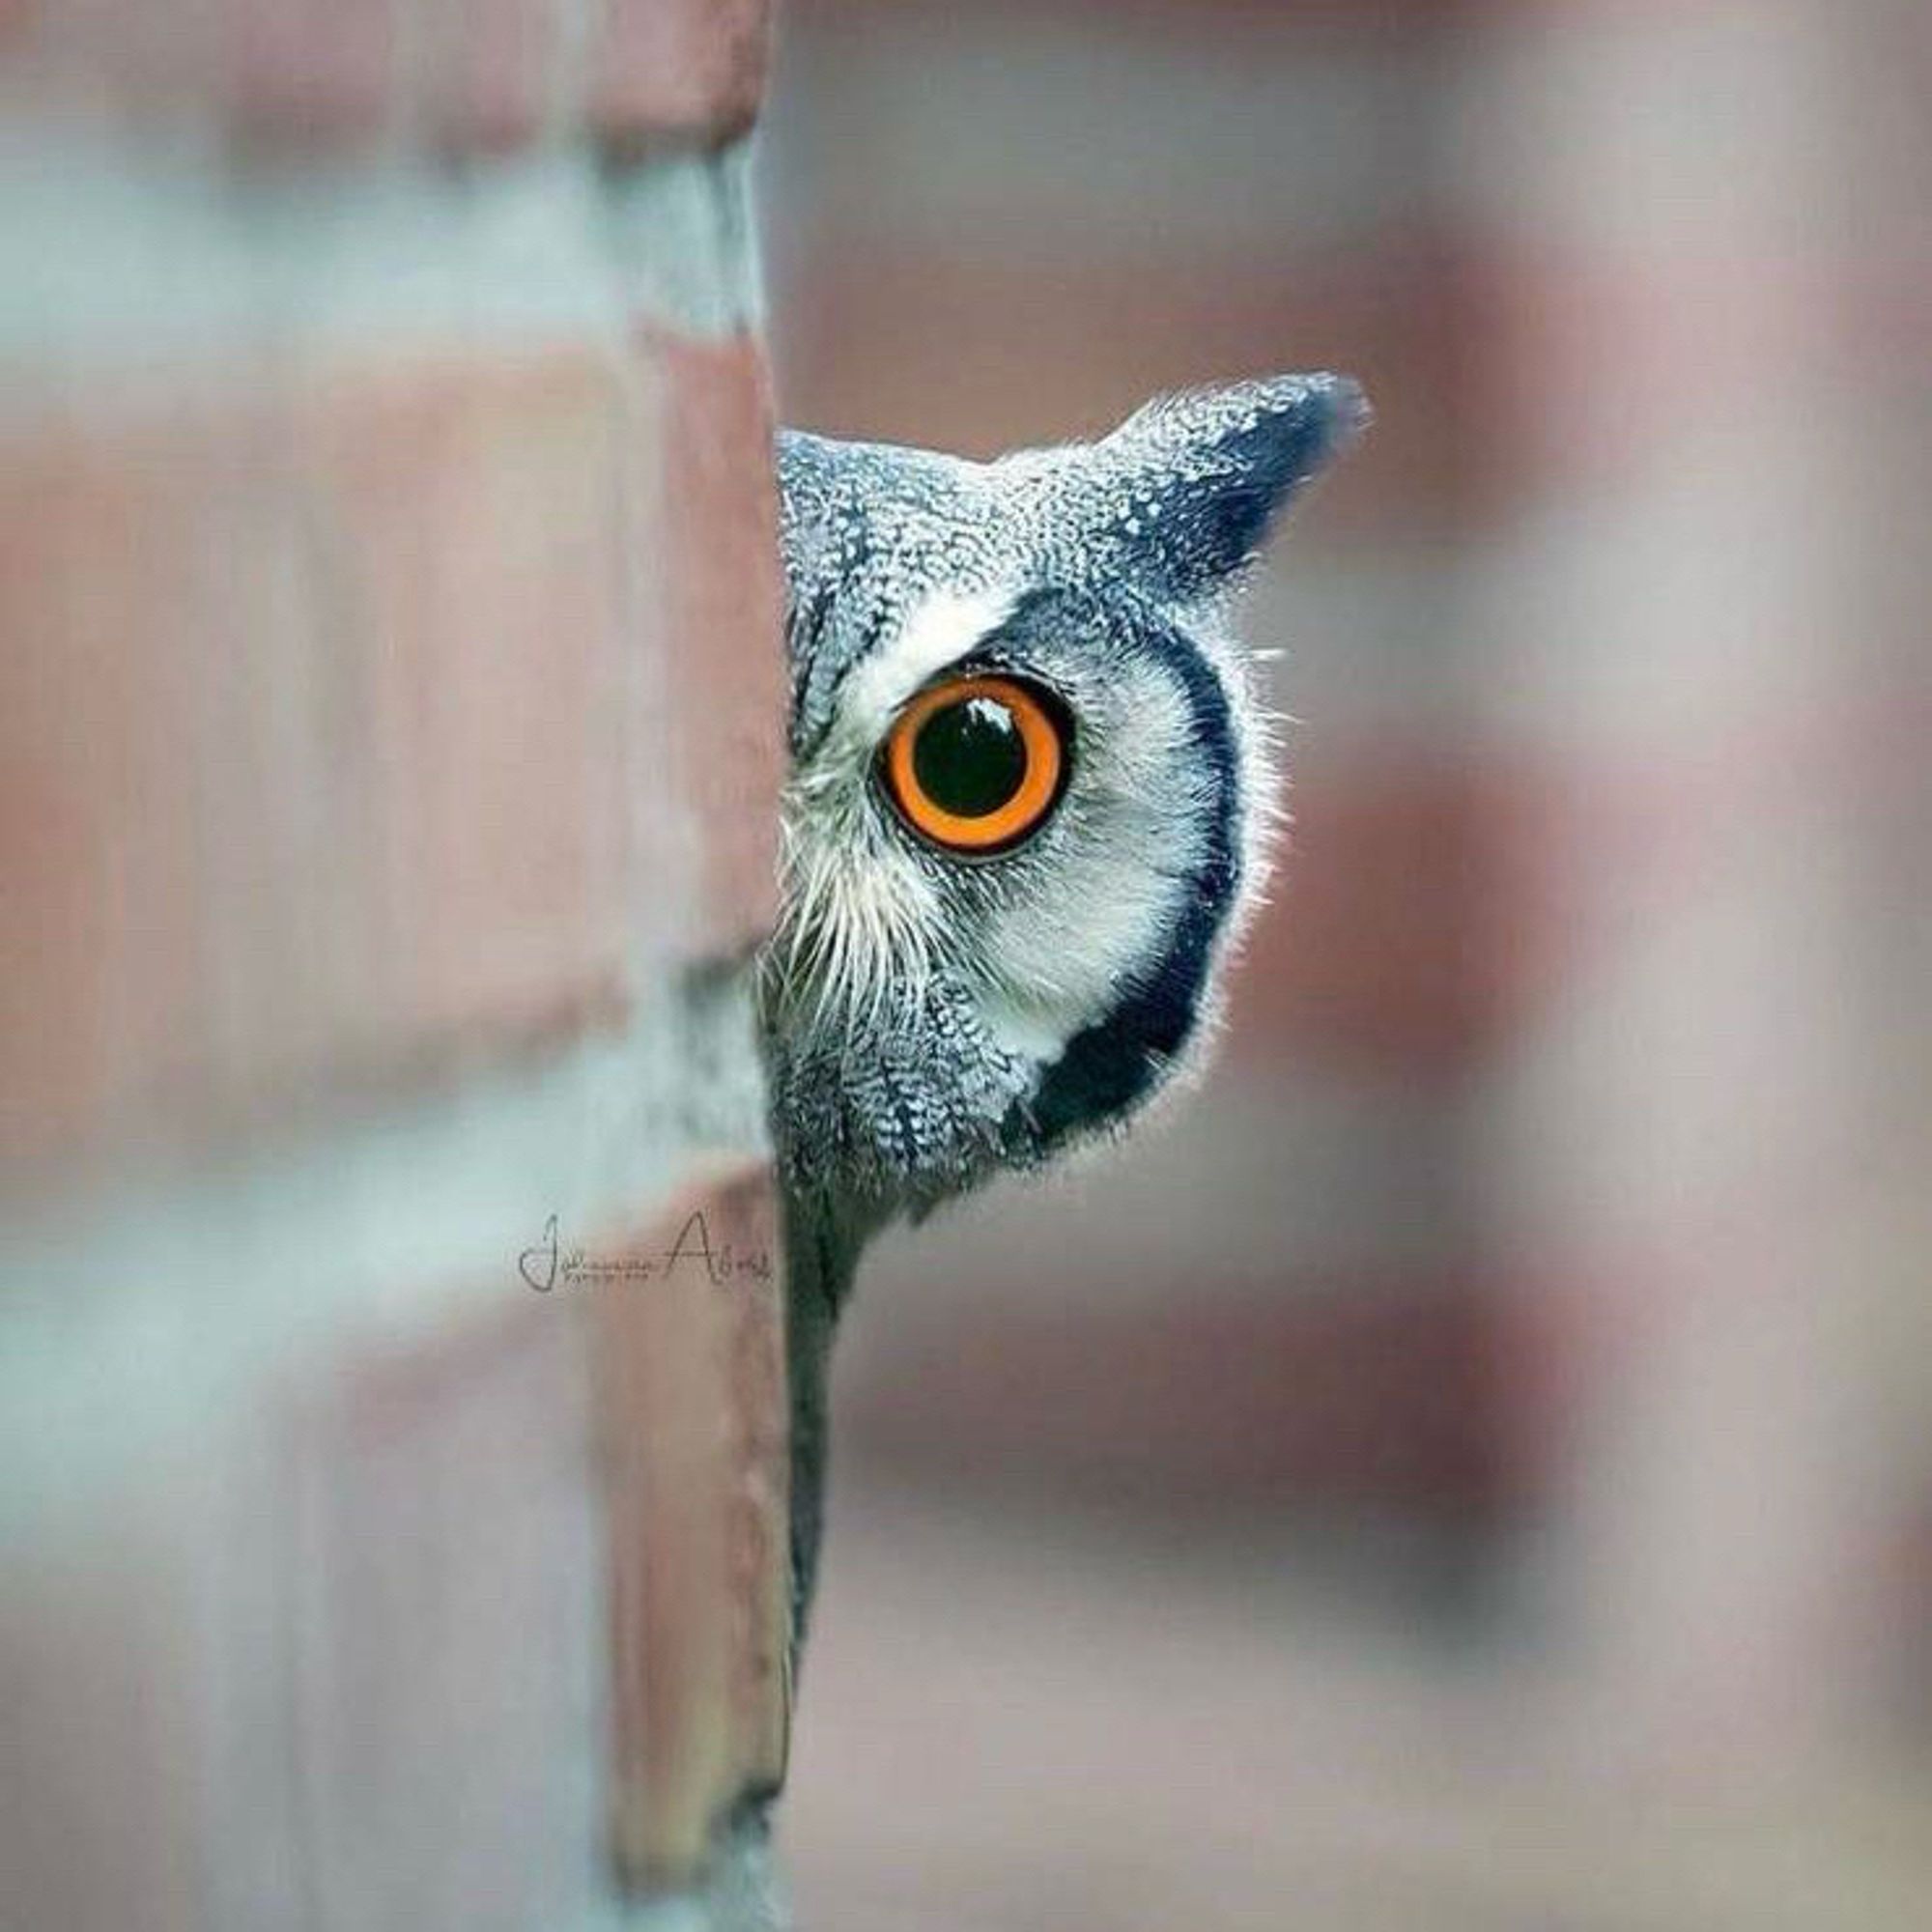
point(1187, 489)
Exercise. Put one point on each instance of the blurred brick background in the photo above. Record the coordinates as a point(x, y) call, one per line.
point(390, 726)
point(1507, 1375)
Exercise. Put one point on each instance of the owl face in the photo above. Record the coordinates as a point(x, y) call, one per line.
point(1031, 789)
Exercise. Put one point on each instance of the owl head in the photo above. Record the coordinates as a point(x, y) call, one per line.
point(1031, 787)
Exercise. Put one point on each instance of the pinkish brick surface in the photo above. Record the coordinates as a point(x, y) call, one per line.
point(464, 517)
point(310, 72)
point(494, 73)
point(651, 73)
point(486, 73)
point(104, 855)
point(692, 1420)
point(711, 610)
point(426, 1538)
point(306, 772)
point(337, 1635)
point(100, 1826)
point(680, 69)
point(320, 771)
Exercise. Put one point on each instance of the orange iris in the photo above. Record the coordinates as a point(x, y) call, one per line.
point(976, 763)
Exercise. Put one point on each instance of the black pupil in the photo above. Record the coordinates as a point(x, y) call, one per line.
point(970, 757)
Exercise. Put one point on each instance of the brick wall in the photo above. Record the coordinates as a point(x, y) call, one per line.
point(1701, 615)
point(390, 718)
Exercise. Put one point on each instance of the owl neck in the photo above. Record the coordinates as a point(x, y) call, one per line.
point(823, 1244)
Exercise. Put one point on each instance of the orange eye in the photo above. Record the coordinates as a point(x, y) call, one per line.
point(976, 763)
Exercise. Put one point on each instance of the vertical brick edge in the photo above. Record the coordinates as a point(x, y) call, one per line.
point(690, 1399)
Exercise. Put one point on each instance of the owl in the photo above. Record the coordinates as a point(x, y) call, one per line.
point(1027, 817)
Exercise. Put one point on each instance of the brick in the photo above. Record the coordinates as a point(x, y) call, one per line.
point(495, 74)
point(466, 523)
point(109, 57)
point(711, 611)
point(683, 70)
point(104, 855)
point(294, 70)
point(466, 74)
point(98, 1825)
point(342, 1621)
point(360, 725)
point(649, 73)
point(690, 1352)
point(312, 72)
point(426, 1528)
point(367, 721)
point(483, 74)
point(308, 772)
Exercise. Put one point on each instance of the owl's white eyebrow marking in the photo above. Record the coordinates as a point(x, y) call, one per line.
point(940, 629)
